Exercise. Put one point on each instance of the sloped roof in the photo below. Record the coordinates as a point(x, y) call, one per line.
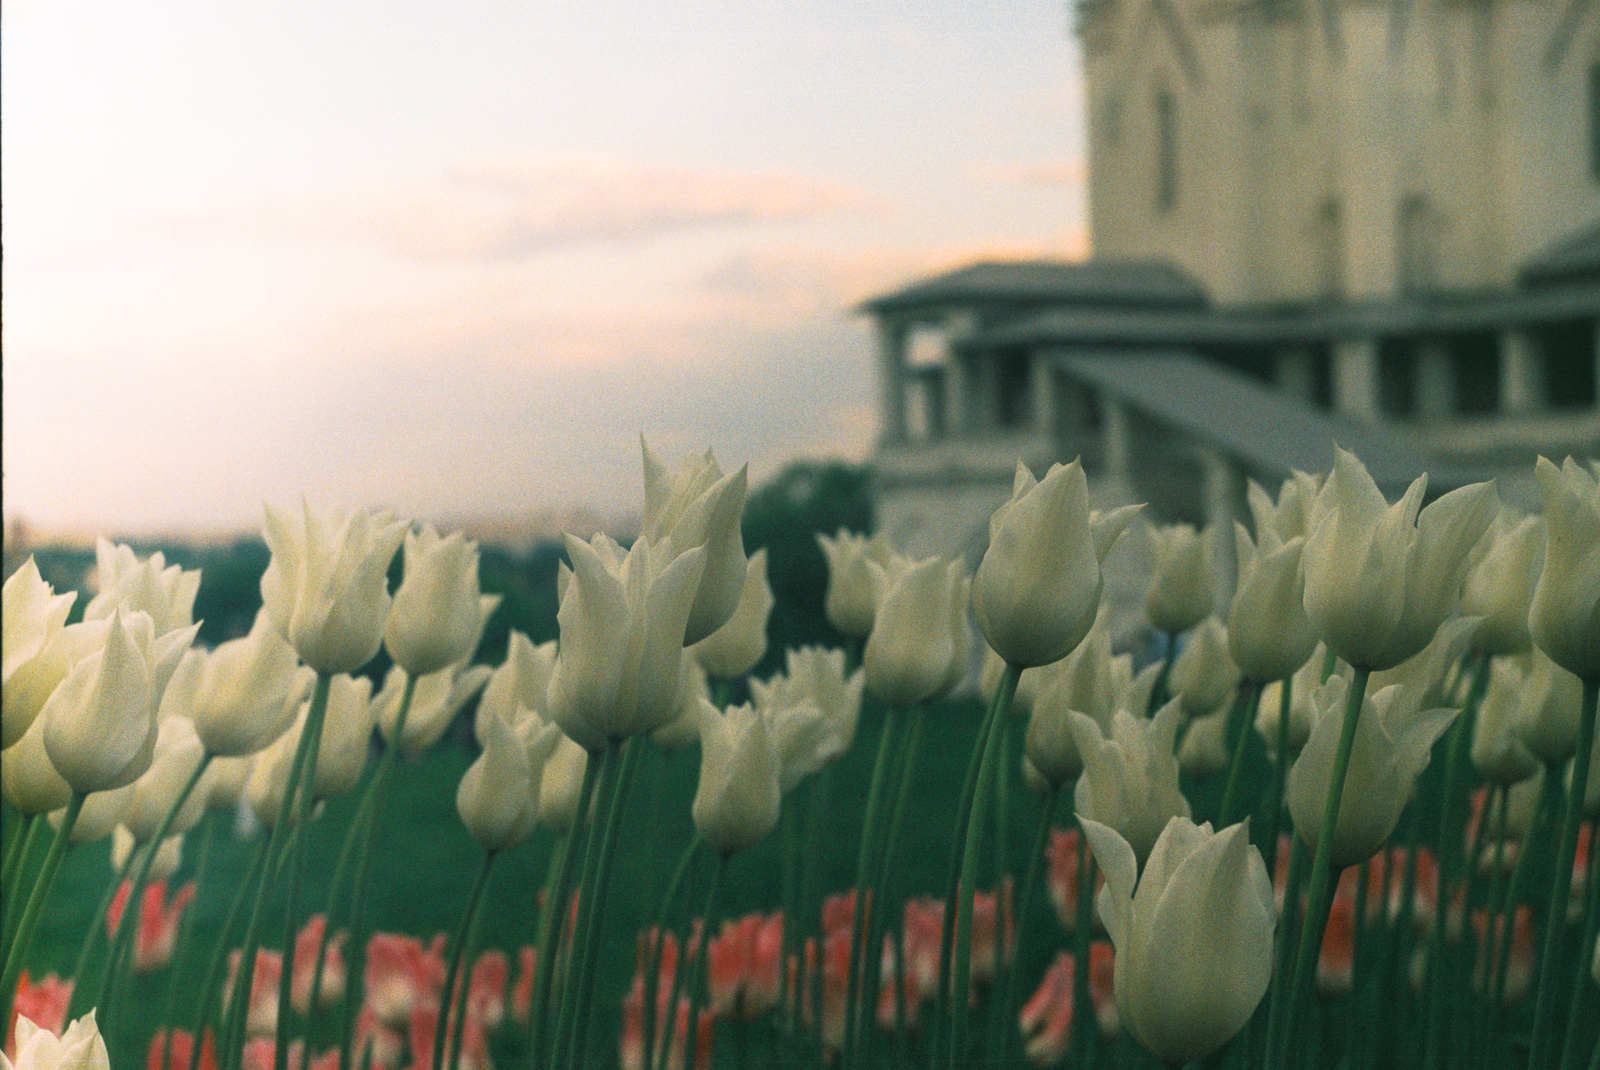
point(1575, 258)
point(1263, 325)
point(1043, 282)
point(1266, 429)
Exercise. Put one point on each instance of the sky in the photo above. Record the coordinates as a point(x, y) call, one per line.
point(454, 257)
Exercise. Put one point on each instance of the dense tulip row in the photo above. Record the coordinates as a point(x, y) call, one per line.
point(1358, 644)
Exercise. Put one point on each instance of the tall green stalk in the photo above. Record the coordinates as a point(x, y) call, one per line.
point(1281, 760)
point(18, 952)
point(1030, 886)
point(1321, 895)
point(657, 937)
point(617, 763)
point(16, 853)
point(962, 974)
point(126, 925)
point(91, 941)
point(939, 1031)
point(230, 1045)
point(867, 852)
point(452, 1004)
point(546, 1010)
point(1241, 716)
point(297, 856)
point(1085, 1039)
point(1447, 850)
point(359, 839)
point(883, 873)
point(1591, 930)
point(211, 988)
point(1544, 1011)
point(697, 983)
point(10, 904)
point(181, 953)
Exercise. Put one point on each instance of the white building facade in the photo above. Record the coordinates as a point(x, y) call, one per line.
point(1377, 226)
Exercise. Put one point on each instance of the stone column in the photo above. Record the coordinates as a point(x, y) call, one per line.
point(1116, 444)
point(957, 395)
point(1043, 388)
point(1521, 372)
point(1436, 381)
point(1355, 377)
point(1224, 483)
point(891, 382)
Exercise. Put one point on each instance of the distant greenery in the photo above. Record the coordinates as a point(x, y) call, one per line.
point(785, 516)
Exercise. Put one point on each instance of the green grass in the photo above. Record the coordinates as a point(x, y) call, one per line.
point(424, 862)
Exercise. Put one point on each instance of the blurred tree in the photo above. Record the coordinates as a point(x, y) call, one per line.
point(785, 515)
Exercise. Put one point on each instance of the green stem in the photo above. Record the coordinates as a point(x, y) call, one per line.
point(657, 938)
point(1447, 850)
point(360, 822)
point(30, 914)
point(24, 851)
point(819, 794)
point(883, 873)
point(1030, 886)
point(966, 888)
point(593, 814)
point(126, 925)
point(230, 1045)
point(557, 889)
point(1591, 930)
point(16, 851)
point(1281, 760)
point(790, 823)
point(1561, 886)
point(363, 832)
point(541, 1042)
point(452, 1004)
point(631, 750)
point(211, 987)
point(360, 826)
point(1508, 915)
point(91, 943)
point(958, 839)
point(1084, 1039)
point(1484, 968)
point(181, 947)
point(1321, 895)
point(697, 987)
point(1284, 944)
point(1158, 691)
point(1240, 718)
point(866, 854)
point(297, 856)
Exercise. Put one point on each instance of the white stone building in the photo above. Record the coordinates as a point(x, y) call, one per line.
point(1376, 225)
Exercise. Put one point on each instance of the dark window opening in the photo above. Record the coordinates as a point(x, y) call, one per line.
point(1322, 379)
point(1397, 379)
point(1013, 379)
point(1569, 364)
point(1477, 378)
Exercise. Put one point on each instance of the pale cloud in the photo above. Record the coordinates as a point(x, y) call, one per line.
point(510, 210)
point(1073, 174)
